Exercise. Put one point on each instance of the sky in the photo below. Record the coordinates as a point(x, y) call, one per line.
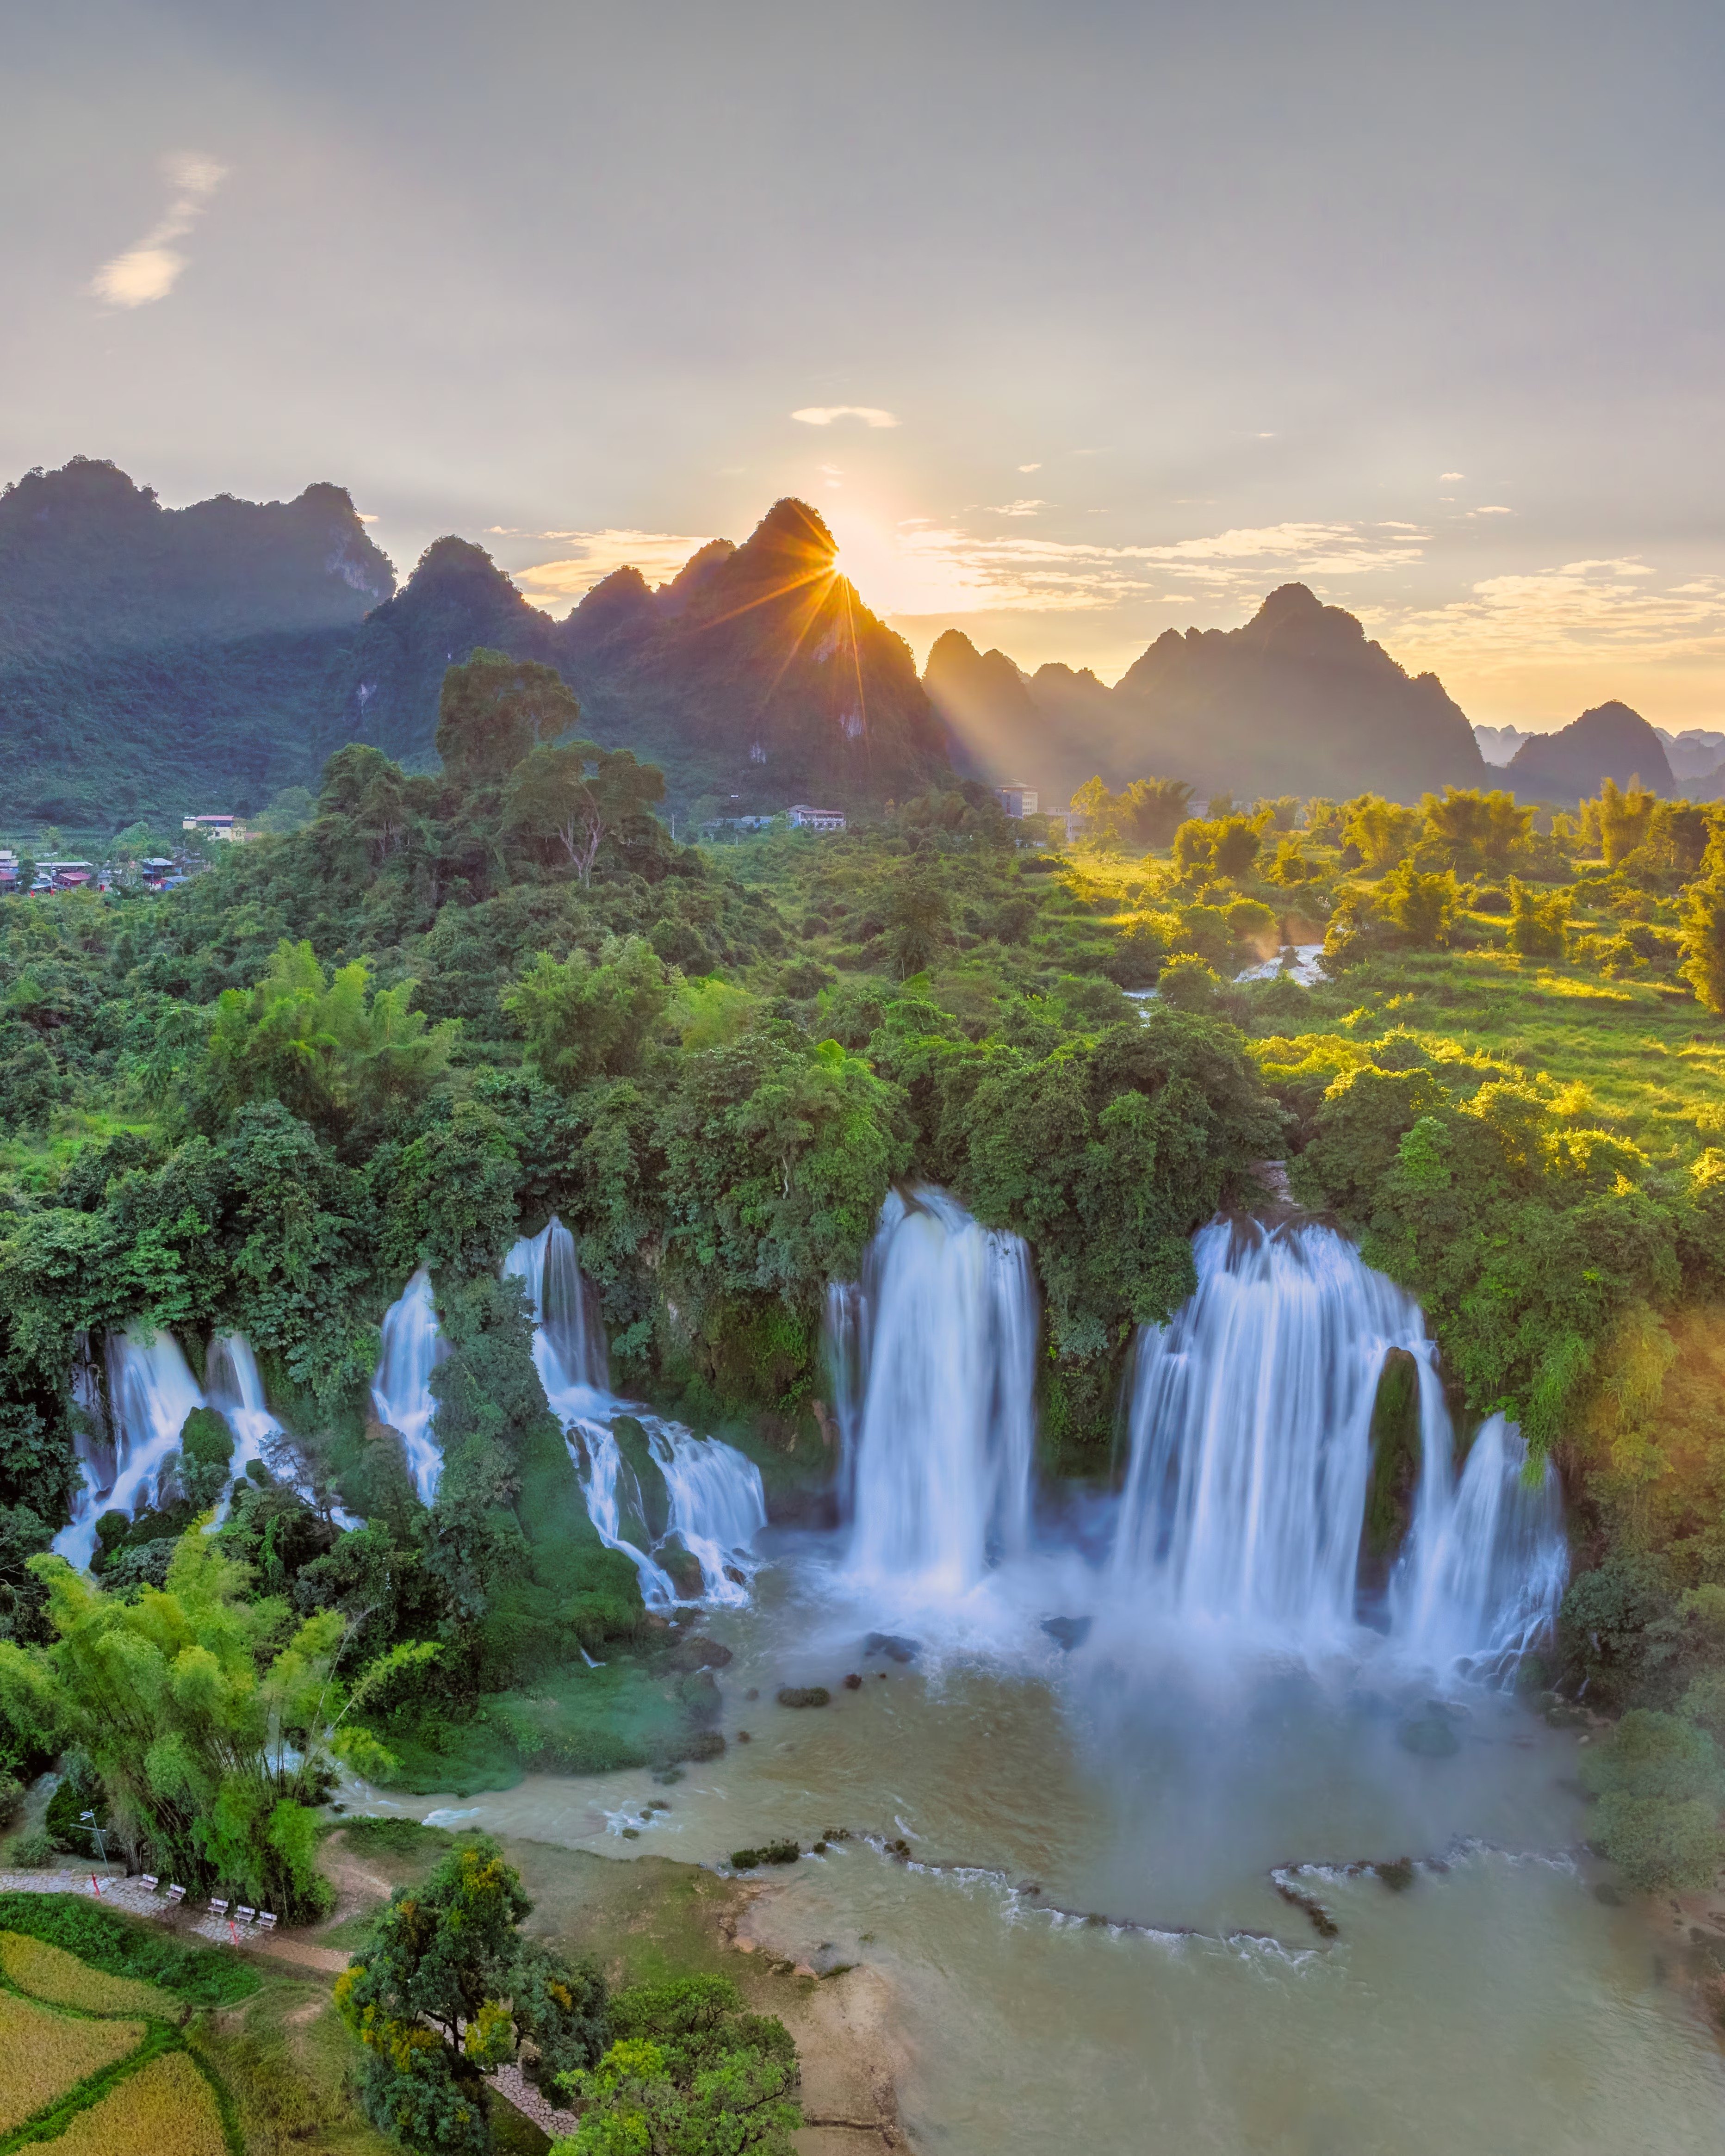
point(1076, 321)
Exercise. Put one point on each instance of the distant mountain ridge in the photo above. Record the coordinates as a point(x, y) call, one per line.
point(1608, 742)
point(148, 654)
point(157, 661)
point(1296, 700)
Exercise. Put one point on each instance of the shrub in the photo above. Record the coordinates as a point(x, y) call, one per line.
point(772, 1852)
point(1659, 1780)
point(35, 1851)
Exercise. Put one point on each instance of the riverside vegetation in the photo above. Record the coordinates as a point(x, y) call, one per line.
point(447, 1006)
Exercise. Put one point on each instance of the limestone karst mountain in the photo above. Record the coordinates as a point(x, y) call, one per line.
point(1609, 741)
point(153, 661)
point(151, 656)
point(757, 672)
point(1298, 699)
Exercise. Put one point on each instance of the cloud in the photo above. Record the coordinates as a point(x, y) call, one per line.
point(1580, 610)
point(1015, 508)
point(1491, 509)
point(657, 555)
point(933, 569)
point(824, 415)
point(1029, 467)
point(1444, 478)
point(150, 270)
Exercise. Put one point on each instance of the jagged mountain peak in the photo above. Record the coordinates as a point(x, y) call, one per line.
point(791, 538)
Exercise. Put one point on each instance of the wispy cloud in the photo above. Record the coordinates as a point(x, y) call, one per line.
point(1578, 610)
point(1444, 478)
point(946, 569)
point(824, 415)
point(1492, 509)
point(1029, 467)
point(657, 555)
point(150, 270)
point(1015, 508)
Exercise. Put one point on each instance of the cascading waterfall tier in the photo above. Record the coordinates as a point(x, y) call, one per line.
point(150, 1392)
point(714, 1505)
point(237, 1391)
point(401, 1389)
point(1251, 1423)
point(938, 1409)
point(1487, 1561)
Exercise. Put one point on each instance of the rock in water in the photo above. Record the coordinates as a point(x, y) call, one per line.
point(893, 1645)
point(804, 1696)
point(1068, 1632)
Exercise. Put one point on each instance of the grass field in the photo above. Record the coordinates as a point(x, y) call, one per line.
point(167, 2108)
point(1651, 1058)
point(43, 2054)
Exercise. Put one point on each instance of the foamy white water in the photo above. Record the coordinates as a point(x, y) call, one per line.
point(716, 1505)
point(944, 1348)
point(400, 1387)
point(1251, 1425)
point(153, 1391)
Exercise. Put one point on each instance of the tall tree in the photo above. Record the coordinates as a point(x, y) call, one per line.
point(570, 797)
point(495, 709)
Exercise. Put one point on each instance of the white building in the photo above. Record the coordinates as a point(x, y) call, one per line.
point(1017, 800)
point(229, 827)
point(803, 817)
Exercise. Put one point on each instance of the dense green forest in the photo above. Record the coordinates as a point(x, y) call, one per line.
point(451, 1004)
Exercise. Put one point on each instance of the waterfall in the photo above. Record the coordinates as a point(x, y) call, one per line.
point(1485, 1563)
point(943, 1345)
point(716, 1505)
point(401, 1389)
point(237, 1391)
point(152, 1391)
point(1251, 1428)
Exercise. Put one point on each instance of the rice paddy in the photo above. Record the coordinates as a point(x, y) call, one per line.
point(167, 2108)
point(43, 2054)
point(48, 1973)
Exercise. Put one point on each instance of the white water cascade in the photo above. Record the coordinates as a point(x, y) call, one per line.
point(716, 1504)
point(152, 1391)
point(237, 1391)
point(400, 1387)
point(940, 1422)
point(1486, 1563)
point(1251, 1427)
